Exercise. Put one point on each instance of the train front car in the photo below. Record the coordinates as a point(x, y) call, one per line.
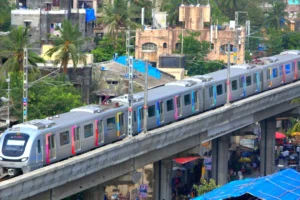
point(15, 150)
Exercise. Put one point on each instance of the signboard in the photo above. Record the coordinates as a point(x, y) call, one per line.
point(293, 2)
point(143, 192)
point(247, 143)
point(207, 163)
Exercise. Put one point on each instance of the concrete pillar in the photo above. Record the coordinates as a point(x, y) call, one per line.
point(267, 145)
point(163, 179)
point(95, 193)
point(220, 160)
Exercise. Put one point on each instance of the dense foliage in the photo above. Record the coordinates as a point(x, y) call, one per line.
point(205, 186)
point(48, 97)
point(5, 16)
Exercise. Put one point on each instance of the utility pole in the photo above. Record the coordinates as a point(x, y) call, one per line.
point(129, 63)
point(8, 103)
point(69, 10)
point(228, 75)
point(25, 85)
point(182, 39)
point(146, 97)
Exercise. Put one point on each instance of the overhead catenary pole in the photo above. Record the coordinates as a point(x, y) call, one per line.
point(25, 85)
point(228, 75)
point(146, 97)
point(8, 103)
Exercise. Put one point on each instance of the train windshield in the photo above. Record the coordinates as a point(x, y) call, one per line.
point(14, 144)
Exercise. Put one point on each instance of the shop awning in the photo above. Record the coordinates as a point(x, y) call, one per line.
point(185, 160)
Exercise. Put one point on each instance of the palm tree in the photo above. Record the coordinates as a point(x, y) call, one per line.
point(67, 46)
point(12, 48)
point(276, 15)
point(172, 8)
point(116, 16)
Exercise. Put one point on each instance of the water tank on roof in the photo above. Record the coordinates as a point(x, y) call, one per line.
point(172, 61)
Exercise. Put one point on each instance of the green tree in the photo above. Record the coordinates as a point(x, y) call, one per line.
point(5, 15)
point(68, 46)
point(105, 49)
point(47, 98)
point(12, 48)
point(118, 15)
point(291, 40)
point(275, 42)
point(137, 5)
point(205, 186)
point(275, 16)
point(196, 52)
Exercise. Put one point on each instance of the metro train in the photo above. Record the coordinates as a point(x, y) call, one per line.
point(37, 143)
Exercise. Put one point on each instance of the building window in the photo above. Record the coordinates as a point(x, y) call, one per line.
point(234, 85)
point(64, 138)
point(177, 46)
point(149, 47)
point(88, 130)
point(165, 45)
point(170, 105)
point(55, 2)
point(151, 111)
point(111, 122)
point(248, 80)
point(27, 24)
point(219, 90)
point(187, 99)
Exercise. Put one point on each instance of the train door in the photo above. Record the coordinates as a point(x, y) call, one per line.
point(39, 154)
point(120, 124)
point(140, 117)
point(99, 135)
point(257, 82)
point(243, 86)
point(270, 77)
point(213, 95)
point(298, 69)
point(178, 107)
point(76, 146)
point(50, 147)
point(295, 69)
point(282, 73)
point(195, 100)
point(159, 113)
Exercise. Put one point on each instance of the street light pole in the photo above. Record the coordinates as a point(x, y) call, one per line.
point(146, 97)
point(228, 75)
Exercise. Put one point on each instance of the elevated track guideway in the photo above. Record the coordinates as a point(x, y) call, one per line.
point(98, 166)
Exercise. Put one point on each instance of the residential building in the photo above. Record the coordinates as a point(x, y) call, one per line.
point(44, 16)
point(152, 42)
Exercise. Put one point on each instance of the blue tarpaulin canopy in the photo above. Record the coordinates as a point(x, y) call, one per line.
point(90, 15)
point(281, 185)
point(139, 65)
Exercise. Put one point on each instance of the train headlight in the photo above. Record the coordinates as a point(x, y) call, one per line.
point(1, 158)
point(24, 159)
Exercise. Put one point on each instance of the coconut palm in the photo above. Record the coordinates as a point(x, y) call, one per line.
point(67, 46)
point(275, 16)
point(12, 48)
point(116, 16)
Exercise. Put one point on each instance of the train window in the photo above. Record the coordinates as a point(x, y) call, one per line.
point(234, 85)
point(248, 80)
point(170, 105)
point(88, 130)
point(287, 68)
point(134, 116)
point(275, 72)
point(111, 123)
point(219, 89)
point(151, 111)
point(211, 92)
point(254, 79)
point(39, 146)
point(187, 99)
point(64, 138)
